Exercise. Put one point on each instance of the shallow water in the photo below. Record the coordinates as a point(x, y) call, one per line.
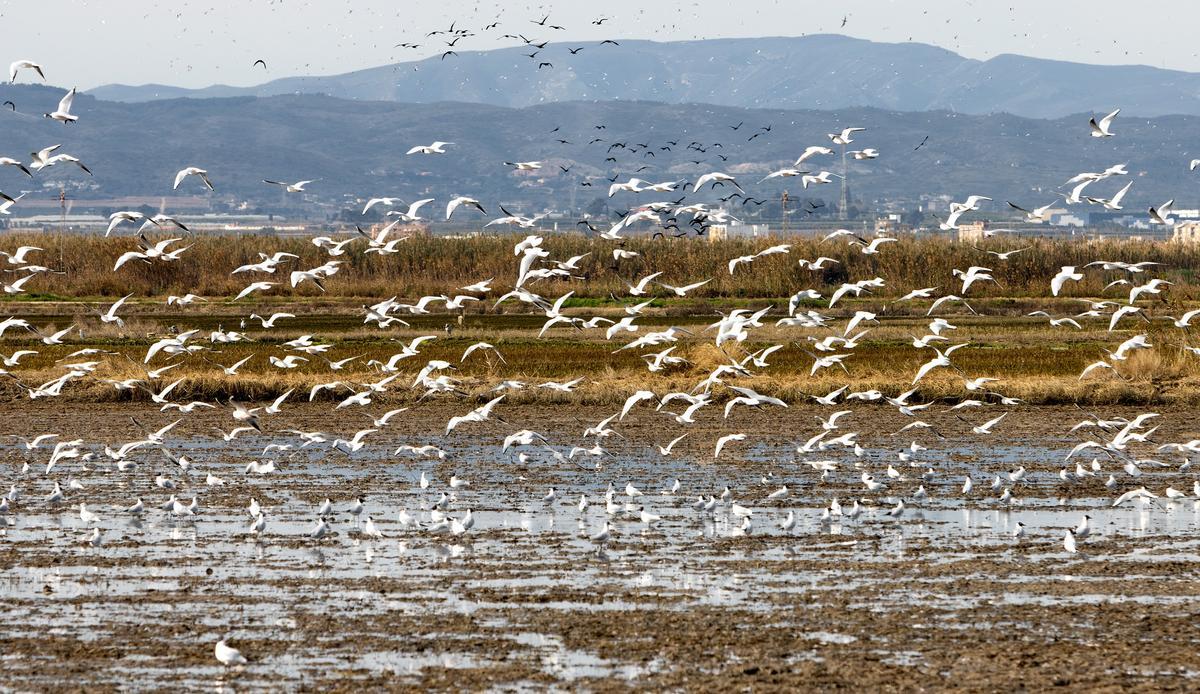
point(210, 573)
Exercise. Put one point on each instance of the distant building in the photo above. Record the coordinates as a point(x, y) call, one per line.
point(1067, 220)
point(971, 231)
point(218, 223)
point(890, 224)
point(737, 230)
point(1187, 232)
point(157, 202)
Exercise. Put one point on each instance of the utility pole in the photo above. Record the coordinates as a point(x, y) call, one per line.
point(62, 224)
point(783, 206)
point(844, 202)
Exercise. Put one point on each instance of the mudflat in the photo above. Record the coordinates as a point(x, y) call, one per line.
point(940, 596)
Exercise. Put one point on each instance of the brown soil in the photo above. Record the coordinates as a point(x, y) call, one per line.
point(511, 609)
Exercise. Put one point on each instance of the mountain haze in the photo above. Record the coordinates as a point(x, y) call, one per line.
point(811, 72)
point(358, 148)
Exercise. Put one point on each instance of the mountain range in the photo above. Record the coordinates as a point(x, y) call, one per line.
point(811, 72)
point(358, 149)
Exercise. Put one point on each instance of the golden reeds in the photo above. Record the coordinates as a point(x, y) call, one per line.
point(429, 265)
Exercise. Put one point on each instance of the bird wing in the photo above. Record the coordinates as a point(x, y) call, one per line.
point(126, 257)
point(64, 106)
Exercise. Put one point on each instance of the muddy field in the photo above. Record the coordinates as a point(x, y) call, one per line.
point(939, 597)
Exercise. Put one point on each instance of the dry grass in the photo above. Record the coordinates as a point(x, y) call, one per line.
point(428, 265)
point(1037, 363)
point(1037, 368)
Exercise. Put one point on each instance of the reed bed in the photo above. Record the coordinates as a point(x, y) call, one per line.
point(1036, 362)
point(437, 265)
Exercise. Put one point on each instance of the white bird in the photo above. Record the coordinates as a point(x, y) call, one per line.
point(683, 290)
point(19, 65)
point(20, 256)
point(86, 516)
point(872, 248)
point(1162, 214)
point(603, 535)
point(297, 187)
point(228, 655)
point(1069, 541)
point(202, 174)
point(716, 178)
point(110, 316)
point(721, 442)
point(1113, 203)
point(845, 137)
point(63, 113)
point(1066, 273)
point(17, 286)
point(254, 287)
point(268, 323)
point(461, 200)
point(435, 148)
point(479, 414)
point(410, 215)
point(1102, 128)
point(986, 427)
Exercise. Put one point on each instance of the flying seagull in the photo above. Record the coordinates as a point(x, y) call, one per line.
point(1101, 129)
point(296, 187)
point(24, 65)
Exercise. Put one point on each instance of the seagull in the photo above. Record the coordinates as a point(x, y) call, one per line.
point(721, 442)
point(845, 137)
point(17, 286)
point(602, 536)
point(683, 290)
point(1069, 541)
point(461, 200)
point(411, 214)
point(435, 148)
point(1162, 214)
point(1066, 273)
point(43, 159)
point(86, 516)
point(479, 414)
point(228, 655)
point(715, 178)
point(1038, 214)
point(872, 248)
point(296, 187)
point(63, 113)
point(9, 161)
point(19, 65)
point(1114, 203)
point(812, 151)
point(1101, 129)
point(268, 323)
point(254, 287)
point(110, 316)
point(986, 427)
point(192, 171)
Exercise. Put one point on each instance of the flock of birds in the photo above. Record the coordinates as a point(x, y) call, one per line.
point(900, 475)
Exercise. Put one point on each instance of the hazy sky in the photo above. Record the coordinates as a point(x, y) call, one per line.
point(196, 43)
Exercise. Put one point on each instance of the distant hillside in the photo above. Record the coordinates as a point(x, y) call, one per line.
point(357, 148)
point(821, 72)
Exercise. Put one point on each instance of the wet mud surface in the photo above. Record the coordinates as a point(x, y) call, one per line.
point(940, 597)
